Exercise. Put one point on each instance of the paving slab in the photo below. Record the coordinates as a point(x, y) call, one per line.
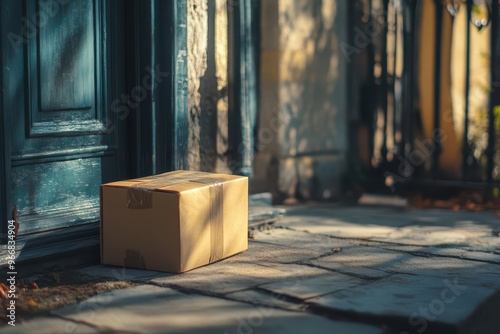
point(225, 278)
point(303, 240)
point(441, 267)
point(49, 325)
point(394, 224)
point(485, 244)
point(286, 253)
point(338, 228)
point(419, 302)
point(256, 253)
point(355, 214)
point(304, 288)
point(152, 309)
point(352, 222)
point(358, 272)
point(376, 261)
point(461, 253)
point(261, 297)
point(119, 273)
point(362, 261)
point(456, 234)
point(452, 218)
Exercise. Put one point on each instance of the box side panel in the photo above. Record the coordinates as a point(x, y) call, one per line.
point(140, 238)
point(195, 228)
point(195, 223)
point(235, 216)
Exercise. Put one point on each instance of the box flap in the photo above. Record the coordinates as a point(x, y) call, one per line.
point(140, 190)
point(175, 182)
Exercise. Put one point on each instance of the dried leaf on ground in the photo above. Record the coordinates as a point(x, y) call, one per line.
point(3, 290)
point(32, 303)
point(470, 200)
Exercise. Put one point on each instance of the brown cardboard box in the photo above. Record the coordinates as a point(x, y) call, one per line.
point(175, 221)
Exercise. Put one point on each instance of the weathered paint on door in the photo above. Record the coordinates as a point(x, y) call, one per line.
point(62, 148)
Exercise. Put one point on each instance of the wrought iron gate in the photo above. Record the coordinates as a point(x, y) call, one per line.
point(423, 125)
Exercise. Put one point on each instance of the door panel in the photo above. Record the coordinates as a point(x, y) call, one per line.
point(61, 148)
point(63, 71)
point(66, 50)
point(63, 189)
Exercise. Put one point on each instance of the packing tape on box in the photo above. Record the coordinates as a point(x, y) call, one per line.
point(216, 217)
point(140, 196)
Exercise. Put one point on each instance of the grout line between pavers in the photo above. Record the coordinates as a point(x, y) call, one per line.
point(99, 329)
point(303, 301)
point(285, 297)
point(391, 324)
point(312, 308)
point(293, 300)
point(362, 240)
point(367, 278)
point(430, 255)
point(370, 243)
point(294, 247)
point(191, 291)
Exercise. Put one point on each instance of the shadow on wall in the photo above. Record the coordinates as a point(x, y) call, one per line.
point(208, 81)
point(301, 90)
point(309, 68)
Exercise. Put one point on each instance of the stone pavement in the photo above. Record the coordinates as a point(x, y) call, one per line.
point(324, 269)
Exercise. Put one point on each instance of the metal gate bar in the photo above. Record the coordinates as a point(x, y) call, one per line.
point(494, 16)
point(437, 88)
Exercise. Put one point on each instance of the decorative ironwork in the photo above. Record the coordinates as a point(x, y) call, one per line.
point(480, 22)
point(453, 7)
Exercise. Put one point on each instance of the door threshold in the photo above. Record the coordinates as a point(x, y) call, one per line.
point(52, 244)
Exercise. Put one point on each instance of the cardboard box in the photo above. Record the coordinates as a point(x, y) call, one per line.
point(175, 221)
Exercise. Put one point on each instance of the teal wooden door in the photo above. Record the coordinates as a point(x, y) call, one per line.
point(65, 139)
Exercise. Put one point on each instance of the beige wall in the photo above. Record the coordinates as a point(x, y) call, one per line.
point(303, 96)
point(303, 126)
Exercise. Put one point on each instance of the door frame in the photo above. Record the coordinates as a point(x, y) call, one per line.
point(5, 119)
point(156, 44)
point(244, 52)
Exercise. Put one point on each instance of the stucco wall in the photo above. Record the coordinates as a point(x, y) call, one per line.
point(303, 120)
point(197, 65)
point(207, 84)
